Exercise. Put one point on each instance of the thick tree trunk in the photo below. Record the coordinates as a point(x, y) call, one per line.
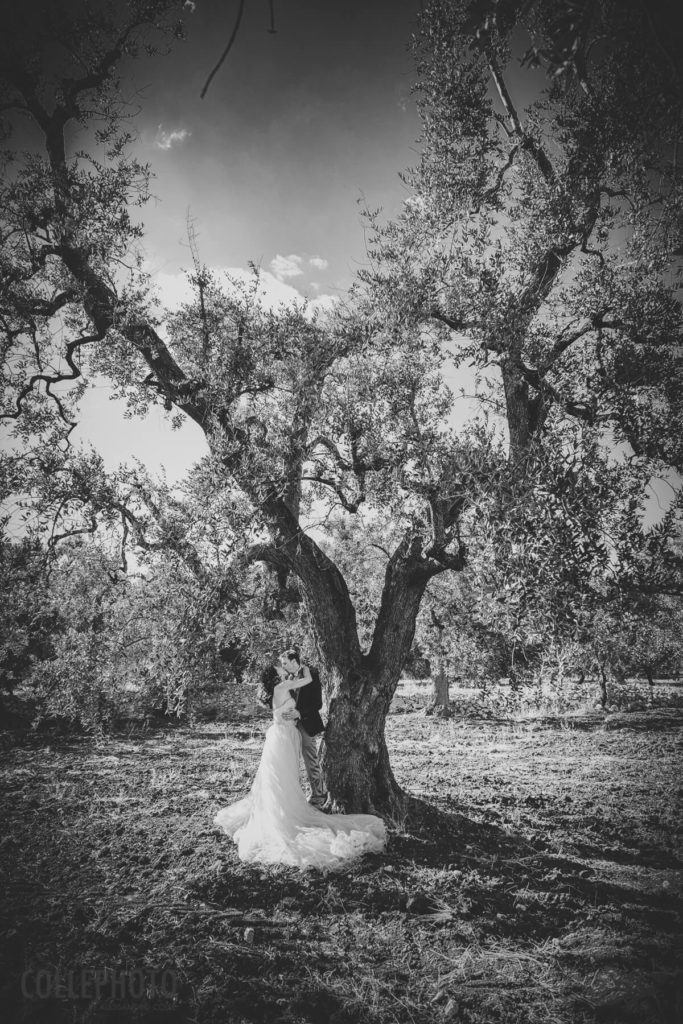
point(603, 686)
point(518, 410)
point(356, 762)
point(441, 704)
point(360, 687)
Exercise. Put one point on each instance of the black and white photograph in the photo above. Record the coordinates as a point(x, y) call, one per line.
point(341, 512)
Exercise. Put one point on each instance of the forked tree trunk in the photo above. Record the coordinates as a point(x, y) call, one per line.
point(359, 686)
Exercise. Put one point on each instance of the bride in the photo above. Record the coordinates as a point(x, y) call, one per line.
point(274, 823)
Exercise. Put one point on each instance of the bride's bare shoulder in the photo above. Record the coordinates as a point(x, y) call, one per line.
point(281, 695)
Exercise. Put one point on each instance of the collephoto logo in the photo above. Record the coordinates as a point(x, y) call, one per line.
point(98, 983)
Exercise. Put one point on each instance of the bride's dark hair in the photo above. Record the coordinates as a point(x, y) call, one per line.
point(294, 653)
point(267, 683)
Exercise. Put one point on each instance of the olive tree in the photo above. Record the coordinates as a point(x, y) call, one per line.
point(537, 245)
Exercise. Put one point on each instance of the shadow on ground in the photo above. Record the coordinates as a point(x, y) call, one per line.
point(538, 882)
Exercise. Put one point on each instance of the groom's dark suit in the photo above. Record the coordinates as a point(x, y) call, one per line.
point(309, 700)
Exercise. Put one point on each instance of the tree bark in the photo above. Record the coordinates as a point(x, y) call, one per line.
point(442, 701)
point(518, 409)
point(603, 686)
point(355, 758)
point(360, 687)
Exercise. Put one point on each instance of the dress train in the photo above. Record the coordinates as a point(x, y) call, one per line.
point(275, 824)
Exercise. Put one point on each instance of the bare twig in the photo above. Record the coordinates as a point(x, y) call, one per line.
point(226, 51)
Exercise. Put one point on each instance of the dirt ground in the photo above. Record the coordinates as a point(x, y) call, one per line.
point(541, 885)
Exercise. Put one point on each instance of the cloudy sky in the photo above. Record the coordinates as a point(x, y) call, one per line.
point(295, 127)
point(296, 131)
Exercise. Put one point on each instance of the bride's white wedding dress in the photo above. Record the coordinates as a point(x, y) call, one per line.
point(275, 824)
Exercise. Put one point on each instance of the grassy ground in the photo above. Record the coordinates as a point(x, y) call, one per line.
point(542, 884)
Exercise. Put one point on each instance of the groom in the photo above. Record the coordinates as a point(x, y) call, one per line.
point(309, 700)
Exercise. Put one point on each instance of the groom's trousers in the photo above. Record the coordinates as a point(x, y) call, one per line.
point(309, 750)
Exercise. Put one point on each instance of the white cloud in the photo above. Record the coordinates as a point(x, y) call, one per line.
point(415, 203)
point(318, 262)
point(323, 303)
point(272, 290)
point(174, 289)
point(286, 266)
point(165, 140)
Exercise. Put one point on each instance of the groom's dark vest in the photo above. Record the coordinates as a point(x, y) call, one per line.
point(309, 700)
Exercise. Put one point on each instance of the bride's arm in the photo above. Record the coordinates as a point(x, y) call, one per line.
point(298, 681)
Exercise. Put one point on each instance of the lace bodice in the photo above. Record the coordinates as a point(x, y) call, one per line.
point(282, 701)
